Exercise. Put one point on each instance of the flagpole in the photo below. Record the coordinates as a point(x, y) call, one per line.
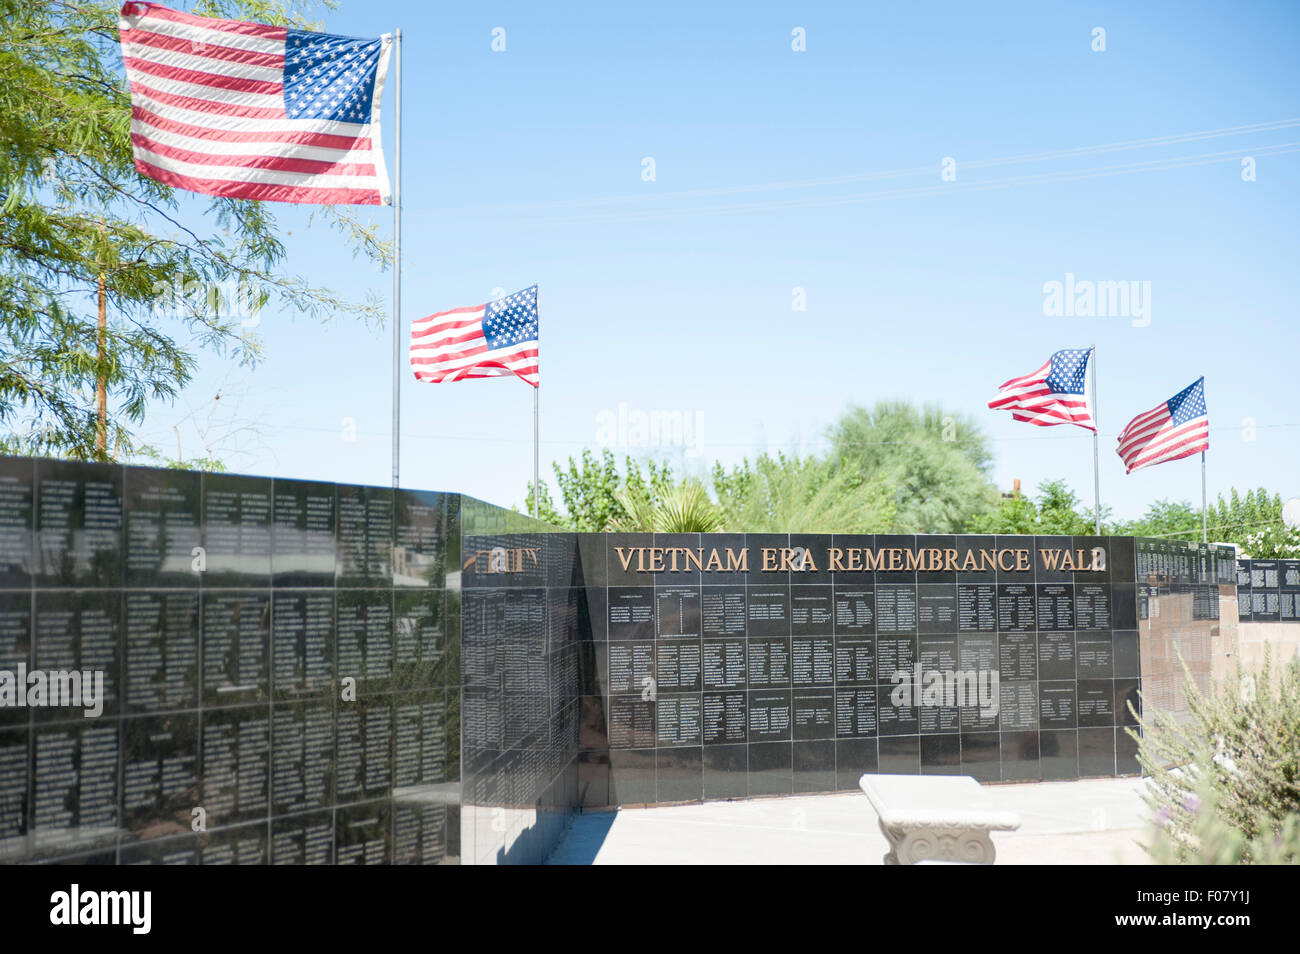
point(397, 262)
point(536, 483)
point(1204, 534)
point(1096, 456)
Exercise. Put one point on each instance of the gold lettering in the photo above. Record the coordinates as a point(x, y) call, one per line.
point(969, 562)
point(673, 552)
point(625, 560)
point(1022, 560)
point(1067, 561)
point(714, 560)
point(873, 564)
point(742, 564)
point(950, 559)
point(808, 563)
point(1050, 558)
point(697, 555)
point(1004, 569)
point(769, 559)
point(837, 558)
point(915, 559)
point(656, 559)
point(787, 555)
point(988, 560)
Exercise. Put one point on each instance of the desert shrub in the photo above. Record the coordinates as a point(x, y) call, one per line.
point(1225, 783)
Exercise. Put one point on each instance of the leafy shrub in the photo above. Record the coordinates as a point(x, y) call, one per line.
point(1208, 839)
point(1225, 784)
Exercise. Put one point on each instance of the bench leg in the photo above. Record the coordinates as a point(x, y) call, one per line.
point(894, 837)
point(910, 845)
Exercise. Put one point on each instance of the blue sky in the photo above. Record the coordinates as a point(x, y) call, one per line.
point(819, 170)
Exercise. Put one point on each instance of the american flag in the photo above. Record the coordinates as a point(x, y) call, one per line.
point(250, 111)
point(1174, 429)
point(483, 341)
point(1054, 394)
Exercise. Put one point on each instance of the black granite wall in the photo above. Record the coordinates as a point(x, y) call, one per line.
point(1268, 591)
point(279, 672)
point(317, 673)
point(1180, 586)
point(522, 609)
point(779, 677)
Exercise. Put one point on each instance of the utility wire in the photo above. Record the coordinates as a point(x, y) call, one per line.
point(926, 170)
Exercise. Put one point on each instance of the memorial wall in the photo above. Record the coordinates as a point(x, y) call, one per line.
point(206, 668)
point(738, 665)
point(522, 609)
point(277, 682)
point(1180, 588)
point(1268, 591)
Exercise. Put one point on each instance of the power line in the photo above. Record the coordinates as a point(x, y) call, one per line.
point(1196, 531)
point(959, 187)
point(929, 169)
point(474, 438)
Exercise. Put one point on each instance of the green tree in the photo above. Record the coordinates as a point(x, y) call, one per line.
point(1253, 521)
point(79, 225)
point(1170, 519)
point(1237, 518)
point(792, 494)
point(936, 462)
point(595, 495)
point(1055, 511)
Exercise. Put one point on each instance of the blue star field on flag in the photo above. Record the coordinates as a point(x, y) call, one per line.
point(329, 77)
point(512, 319)
point(1069, 371)
point(1188, 403)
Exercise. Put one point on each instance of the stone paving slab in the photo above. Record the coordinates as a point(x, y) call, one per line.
point(1095, 821)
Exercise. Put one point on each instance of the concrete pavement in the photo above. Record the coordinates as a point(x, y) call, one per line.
point(1095, 821)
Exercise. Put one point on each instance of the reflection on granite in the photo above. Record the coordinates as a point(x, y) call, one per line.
point(520, 619)
point(731, 664)
point(1180, 586)
point(281, 668)
point(308, 673)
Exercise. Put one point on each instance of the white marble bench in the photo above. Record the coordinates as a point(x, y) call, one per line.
point(936, 817)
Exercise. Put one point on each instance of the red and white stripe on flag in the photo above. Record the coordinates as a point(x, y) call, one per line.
point(1054, 394)
point(1172, 430)
point(451, 346)
point(208, 114)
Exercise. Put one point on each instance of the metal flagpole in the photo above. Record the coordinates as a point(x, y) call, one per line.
point(1096, 425)
point(1204, 538)
point(537, 487)
point(397, 263)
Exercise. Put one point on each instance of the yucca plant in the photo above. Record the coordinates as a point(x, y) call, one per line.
point(687, 508)
point(682, 508)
